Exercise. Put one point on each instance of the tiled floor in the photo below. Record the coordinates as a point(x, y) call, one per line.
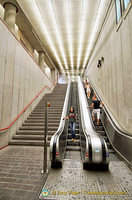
point(20, 173)
point(21, 178)
point(73, 183)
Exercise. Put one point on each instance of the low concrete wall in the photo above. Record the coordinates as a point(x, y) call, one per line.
point(113, 80)
point(21, 80)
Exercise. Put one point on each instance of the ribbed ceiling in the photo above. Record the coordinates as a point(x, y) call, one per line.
point(67, 28)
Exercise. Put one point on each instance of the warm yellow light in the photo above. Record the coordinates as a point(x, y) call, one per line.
point(35, 17)
point(95, 30)
point(82, 30)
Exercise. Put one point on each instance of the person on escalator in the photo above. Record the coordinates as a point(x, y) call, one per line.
point(72, 121)
point(85, 86)
point(96, 105)
point(88, 90)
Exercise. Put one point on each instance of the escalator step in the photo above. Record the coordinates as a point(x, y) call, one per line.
point(73, 148)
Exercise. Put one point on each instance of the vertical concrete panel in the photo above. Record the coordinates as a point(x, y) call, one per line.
point(15, 95)
point(21, 92)
point(116, 74)
point(8, 82)
point(130, 23)
point(127, 68)
point(16, 79)
point(3, 52)
point(20, 81)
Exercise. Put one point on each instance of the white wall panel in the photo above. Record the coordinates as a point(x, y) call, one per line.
point(21, 80)
point(114, 79)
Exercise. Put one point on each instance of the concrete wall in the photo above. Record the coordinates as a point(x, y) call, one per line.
point(114, 79)
point(21, 79)
point(25, 41)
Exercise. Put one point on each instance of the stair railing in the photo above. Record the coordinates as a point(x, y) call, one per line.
point(49, 88)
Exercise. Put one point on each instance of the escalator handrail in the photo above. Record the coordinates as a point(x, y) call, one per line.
point(87, 124)
point(54, 139)
point(110, 116)
point(85, 113)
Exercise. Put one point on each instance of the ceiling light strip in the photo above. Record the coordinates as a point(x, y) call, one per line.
point(34, 15)
point(69, 33)
point(82, 28)
point(94, 31)
point(57, 33)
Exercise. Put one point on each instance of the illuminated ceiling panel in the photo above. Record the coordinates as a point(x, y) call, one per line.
point(67, 28)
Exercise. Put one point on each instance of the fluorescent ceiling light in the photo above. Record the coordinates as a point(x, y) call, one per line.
point(82, 29)
point(95, 30)
point(69, 32)
point(36, 18)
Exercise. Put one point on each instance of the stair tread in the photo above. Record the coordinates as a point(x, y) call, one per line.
point(40, 124)
point(26, 141)
point(73, 148)
point(32, 130)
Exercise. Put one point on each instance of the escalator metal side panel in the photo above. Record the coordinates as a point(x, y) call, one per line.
point(119, 140)
point(58, 140)
point(97, 149)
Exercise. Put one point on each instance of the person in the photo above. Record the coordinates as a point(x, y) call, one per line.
point(85, 82)
point(85, 86)
point(96, 105)
point(72, 120)
point(88, 89)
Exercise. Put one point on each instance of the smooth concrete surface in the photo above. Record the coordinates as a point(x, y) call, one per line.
point(22, 38)
point(21, 80)
point(113, 79)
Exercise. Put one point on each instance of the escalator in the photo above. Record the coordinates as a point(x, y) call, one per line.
point(61, 146)
point(89, 146)
point(119, 142)
point(73, 149)
point(100, 130)
point(91, 151)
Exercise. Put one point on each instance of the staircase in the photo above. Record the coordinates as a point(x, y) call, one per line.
point(32, 130)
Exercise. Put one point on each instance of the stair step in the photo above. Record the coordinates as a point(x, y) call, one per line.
point(43, 113)
point(52, 106)
point(95, 123)
point(108, 145)
point(101, 133)
point(106, 138)
point(36, 128)
point(73, 148)
point(100, 128)
point(28, 137)
point(111, 151)
point(33, 132)
point(70, 136)
point(71, 143)
point(41, 121)
point(28, 142)
point(40, 124)
point(42, 117)
point(76, 131)
point(49, 109)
